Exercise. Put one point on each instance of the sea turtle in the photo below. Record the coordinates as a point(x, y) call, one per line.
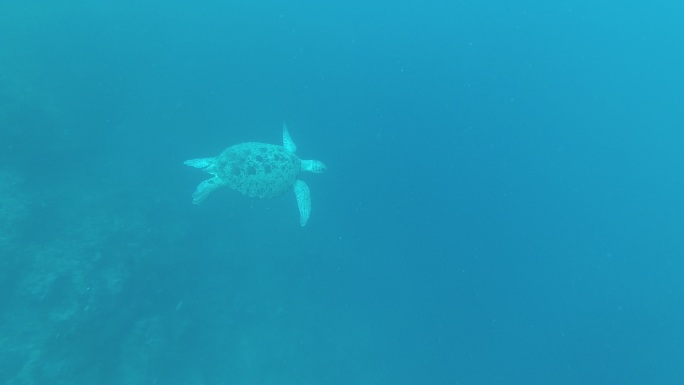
point(258, 170)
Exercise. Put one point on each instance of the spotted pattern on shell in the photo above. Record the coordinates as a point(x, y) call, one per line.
point(258, 169)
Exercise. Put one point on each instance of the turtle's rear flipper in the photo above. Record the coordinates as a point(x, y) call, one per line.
point(205, 189)
point(303, 201)
point(200, 163)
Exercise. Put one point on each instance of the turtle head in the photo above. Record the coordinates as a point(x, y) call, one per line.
point(315, 166)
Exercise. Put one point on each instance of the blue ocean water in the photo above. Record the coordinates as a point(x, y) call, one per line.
point(503, 202)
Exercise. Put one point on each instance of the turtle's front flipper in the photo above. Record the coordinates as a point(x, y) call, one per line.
point(205, 189)
point(303, 201)
point(288, 143)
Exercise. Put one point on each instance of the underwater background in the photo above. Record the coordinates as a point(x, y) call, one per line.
point(504, 200)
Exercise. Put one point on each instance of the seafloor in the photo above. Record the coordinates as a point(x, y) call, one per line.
point(98, 286)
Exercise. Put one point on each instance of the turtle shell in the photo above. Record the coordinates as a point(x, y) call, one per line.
point(258, 169)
